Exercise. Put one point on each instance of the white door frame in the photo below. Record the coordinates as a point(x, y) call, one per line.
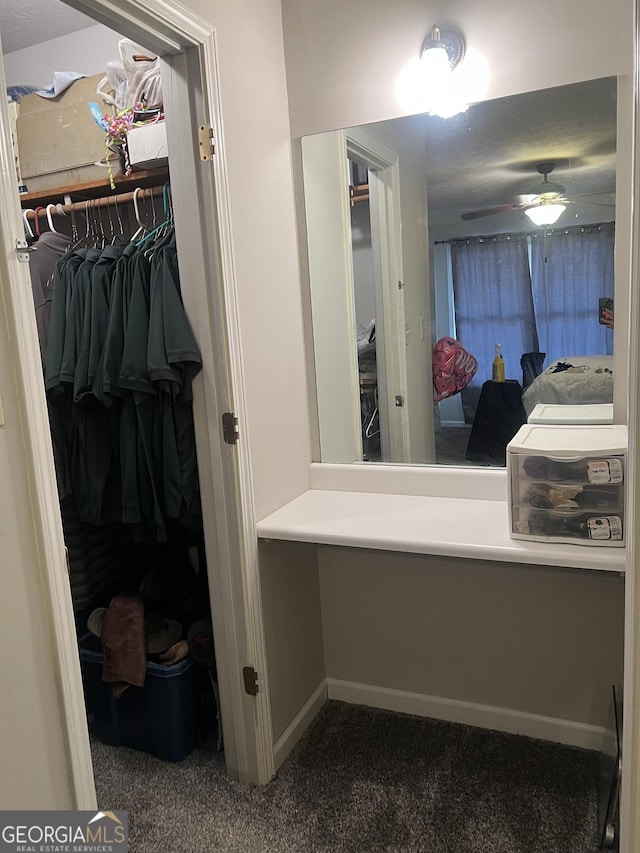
point(330, 257)
point(200, 197)
point(386, 243)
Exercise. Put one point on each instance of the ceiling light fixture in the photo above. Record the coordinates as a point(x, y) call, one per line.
point(440, 54)
point(546, 213)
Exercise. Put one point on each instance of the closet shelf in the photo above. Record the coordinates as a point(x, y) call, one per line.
point(96, 189)
point(358, 193)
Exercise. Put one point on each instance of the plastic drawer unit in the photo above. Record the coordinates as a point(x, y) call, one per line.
point(567, 482)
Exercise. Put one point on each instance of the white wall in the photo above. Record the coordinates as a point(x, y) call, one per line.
point(86, 51)
point(293, 627)
point(343, 59)
point(497, 634)
point(33, 756)
point(34, 751)
point(254, 105)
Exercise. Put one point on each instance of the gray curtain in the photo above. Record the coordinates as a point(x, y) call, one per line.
point(493, 304)
point(570, 271)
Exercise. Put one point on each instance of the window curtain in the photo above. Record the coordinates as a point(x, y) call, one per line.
point(570, 271)
point(493, 304)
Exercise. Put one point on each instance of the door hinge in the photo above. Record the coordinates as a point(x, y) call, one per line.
point(206, 142)
point(400, 285)
point(230, 430)
point(399, 401)
point(250, 680)
point(23, 249)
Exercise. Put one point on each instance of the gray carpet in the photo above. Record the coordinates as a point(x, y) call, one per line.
point(360, 781)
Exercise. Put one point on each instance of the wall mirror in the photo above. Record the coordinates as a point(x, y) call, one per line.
point(420, 229)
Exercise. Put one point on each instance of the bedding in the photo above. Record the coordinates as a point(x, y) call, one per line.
point(574, 380)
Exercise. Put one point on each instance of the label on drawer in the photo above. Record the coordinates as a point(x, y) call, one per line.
point(605, 527)
point(604, 471)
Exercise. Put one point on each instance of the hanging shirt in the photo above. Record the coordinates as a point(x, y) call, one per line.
point(63, 280)
point(96, 444)
point(107, 383)
point(48, 250)
point(140, 438)
point(74, 332)
point(59, 395)
point(174, 359)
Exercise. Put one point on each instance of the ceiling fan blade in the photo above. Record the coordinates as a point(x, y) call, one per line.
point(491, 211)
point(588, 203)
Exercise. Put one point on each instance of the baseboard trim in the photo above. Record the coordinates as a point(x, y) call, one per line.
point(297, 727)
point(482, 716)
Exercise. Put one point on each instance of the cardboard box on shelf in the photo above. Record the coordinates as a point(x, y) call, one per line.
point(59, 142)
point(147, 146)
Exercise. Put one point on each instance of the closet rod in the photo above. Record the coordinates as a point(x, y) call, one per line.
point(92, 204)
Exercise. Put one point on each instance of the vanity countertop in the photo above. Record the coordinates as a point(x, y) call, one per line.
point(472, 528)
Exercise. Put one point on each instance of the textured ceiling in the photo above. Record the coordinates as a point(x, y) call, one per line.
point(488, 156)
point(24, 23)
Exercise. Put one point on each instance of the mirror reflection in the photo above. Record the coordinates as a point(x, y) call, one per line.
point(461, 272)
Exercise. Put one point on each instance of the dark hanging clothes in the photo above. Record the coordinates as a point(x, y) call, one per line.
point(120, 363)
point(96, 318)
point(97, 556)
point(74, 330)
point(48, 250)
point(174, 359)
point(62, 289)
point(107, 386)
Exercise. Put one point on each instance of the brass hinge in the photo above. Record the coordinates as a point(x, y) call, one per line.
point(230, 430)
point(206, 142)
point(250, 680)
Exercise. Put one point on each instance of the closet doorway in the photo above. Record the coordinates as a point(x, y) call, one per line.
point(186, 46)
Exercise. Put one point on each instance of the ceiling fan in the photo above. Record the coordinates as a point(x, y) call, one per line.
point(545, 193)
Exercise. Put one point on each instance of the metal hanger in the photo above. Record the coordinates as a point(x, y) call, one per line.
point(136, 211)
point(27, 227)
point(49, 219)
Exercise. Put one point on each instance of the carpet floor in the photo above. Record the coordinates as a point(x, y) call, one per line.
point(360, 781)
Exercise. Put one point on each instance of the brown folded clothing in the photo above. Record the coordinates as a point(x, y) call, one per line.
point(123, 643)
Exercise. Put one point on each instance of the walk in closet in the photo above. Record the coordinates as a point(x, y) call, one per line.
point(119, 356)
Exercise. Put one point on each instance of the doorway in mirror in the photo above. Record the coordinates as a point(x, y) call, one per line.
point(364, 292)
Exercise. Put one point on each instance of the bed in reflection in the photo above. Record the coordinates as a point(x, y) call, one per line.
point(573, 380)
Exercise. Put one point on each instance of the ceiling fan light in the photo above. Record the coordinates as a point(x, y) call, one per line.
point(545, 214)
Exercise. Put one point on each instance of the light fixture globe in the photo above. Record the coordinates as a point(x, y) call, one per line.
point(440, 54)
point(449, 40)
point(435, 64)
point(546, 213)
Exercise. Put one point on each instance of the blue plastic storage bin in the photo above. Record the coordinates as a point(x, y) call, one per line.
point(161, 718)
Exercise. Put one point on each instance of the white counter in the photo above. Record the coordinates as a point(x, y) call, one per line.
point(450, 526)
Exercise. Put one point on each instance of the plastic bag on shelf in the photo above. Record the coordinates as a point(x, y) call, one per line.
point(131, 80)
